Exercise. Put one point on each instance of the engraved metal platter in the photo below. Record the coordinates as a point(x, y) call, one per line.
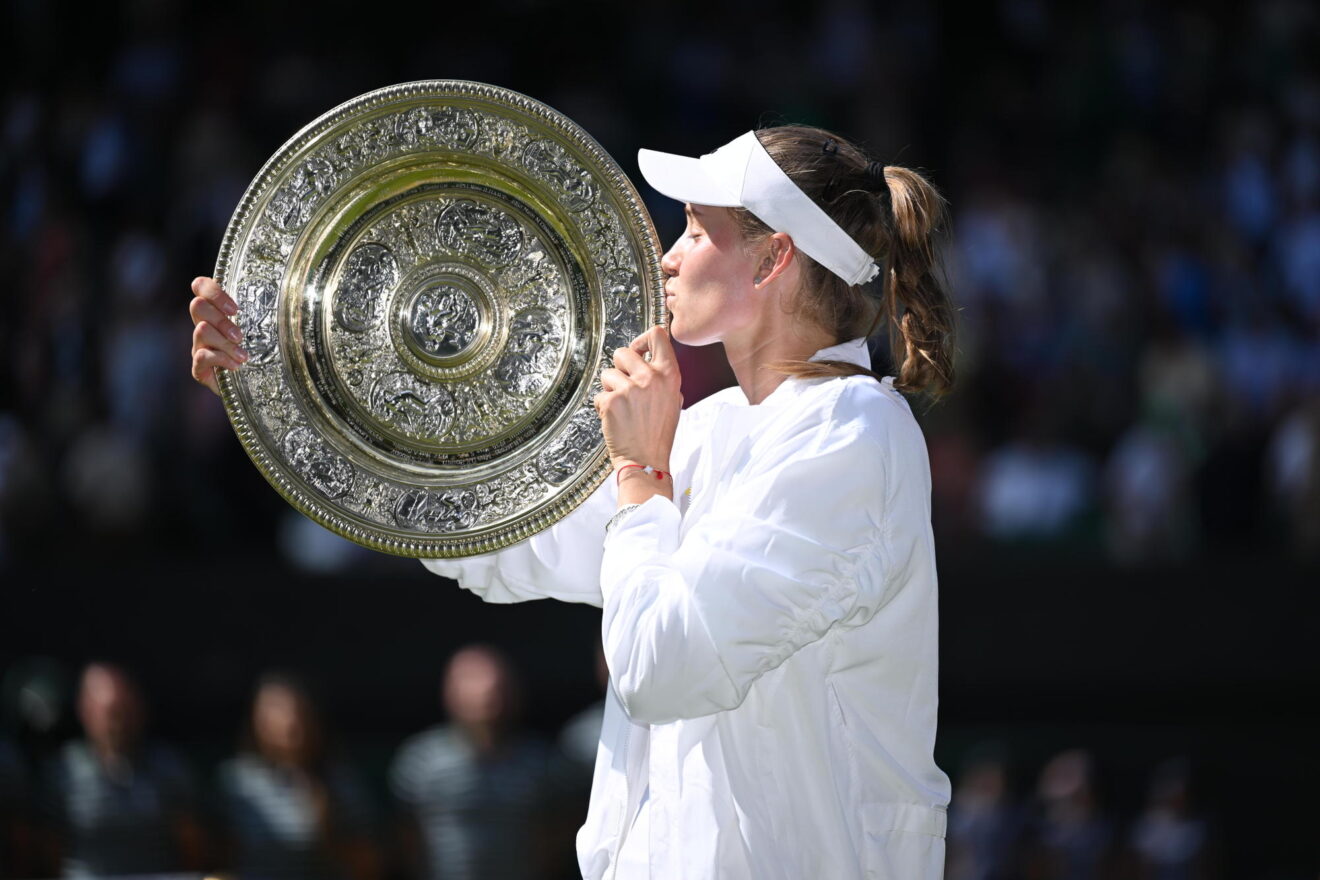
point(430, 278)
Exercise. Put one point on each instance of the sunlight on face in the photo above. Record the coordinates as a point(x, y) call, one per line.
point(708, 290)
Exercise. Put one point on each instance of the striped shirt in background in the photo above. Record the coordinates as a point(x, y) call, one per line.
point(478, 816)
point(271, 816)
point(120, 821)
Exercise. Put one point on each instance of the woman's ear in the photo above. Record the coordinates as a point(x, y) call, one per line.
point(778, 257)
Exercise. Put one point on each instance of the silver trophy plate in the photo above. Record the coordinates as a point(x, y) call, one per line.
point(430, 278)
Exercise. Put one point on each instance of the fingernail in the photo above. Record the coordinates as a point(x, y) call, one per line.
point(242, 356)
point(229, 308)
point(235, 334)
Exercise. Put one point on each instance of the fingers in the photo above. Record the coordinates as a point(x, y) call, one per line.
point(629, 362)
point(206, 336)
point(215, 338)
point(202, 309)
point(210, 290)
point(612, 380)
point(204, 363)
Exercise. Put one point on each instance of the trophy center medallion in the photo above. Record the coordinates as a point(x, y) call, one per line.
point(448, 316)
point(444, 318)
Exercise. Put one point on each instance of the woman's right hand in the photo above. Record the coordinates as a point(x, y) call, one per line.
point(216, 339)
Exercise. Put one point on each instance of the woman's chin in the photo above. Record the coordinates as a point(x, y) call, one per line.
point(677, 332)
point(674, 329)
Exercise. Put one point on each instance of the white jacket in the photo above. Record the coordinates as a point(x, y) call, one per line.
point(771, 638)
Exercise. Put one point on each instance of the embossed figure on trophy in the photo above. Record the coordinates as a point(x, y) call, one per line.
point(447, 511)
point(256, 319)
point(369, 272)
point(444, 320)
point(417, 407)
point(549, 161)
point(532, 349)
point(416, 126)
point(315, 462)
point(623, 297)
point(293, 203)
point(403, 227)
point(450, 126)
point(490, 235)
point(563, 458)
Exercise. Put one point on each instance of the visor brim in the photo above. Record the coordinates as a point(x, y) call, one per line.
point(684, 179)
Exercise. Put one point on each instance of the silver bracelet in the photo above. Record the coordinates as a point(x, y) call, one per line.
point(620, 514)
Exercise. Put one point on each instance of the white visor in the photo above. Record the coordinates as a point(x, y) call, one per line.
point(742, 174)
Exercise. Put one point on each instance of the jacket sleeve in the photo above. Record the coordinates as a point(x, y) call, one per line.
point(561, 562)
point(789, 549)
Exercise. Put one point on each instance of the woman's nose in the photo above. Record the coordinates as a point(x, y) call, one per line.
point(669, 262)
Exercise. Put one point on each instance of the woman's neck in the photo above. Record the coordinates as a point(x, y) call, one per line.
point(750, 353)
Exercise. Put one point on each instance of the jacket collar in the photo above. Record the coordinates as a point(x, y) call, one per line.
point(854, 351)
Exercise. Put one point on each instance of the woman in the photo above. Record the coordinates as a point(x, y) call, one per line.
point(290, 811)
point(767, 570)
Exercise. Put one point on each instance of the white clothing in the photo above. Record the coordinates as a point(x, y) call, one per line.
point(771, 637)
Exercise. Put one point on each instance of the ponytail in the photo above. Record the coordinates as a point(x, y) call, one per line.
point(917, 303)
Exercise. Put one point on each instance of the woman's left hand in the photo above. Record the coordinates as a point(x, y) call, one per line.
point(640, 404)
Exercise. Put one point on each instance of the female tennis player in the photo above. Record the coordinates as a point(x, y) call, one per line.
point(764, 559)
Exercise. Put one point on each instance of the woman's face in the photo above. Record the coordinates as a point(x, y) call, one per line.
point(709, 286)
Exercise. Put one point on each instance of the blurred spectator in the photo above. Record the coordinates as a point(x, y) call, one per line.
point(1070, 837)
point(310, 547)
point(1035, 486)
point(119, 804)
point(107, 478)
point(1294, 477)
point(1169, 841)
point(985, 821)
point(17, 847)
point(291, 808)
point(24, 495)
point(1148, 498)
point(479, 793)
point(38, 696)
point(1177, 386)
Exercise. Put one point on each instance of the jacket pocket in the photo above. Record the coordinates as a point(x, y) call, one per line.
point(884, 818)
point(903, 842)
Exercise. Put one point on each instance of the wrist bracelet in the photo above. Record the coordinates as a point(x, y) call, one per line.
point(659, 475)
point(620, 514)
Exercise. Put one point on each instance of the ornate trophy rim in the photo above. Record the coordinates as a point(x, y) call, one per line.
point(636, 224)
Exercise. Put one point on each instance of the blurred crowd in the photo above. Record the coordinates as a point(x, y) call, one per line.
point(479, 796)
point(1135, 242)
point(474, 797)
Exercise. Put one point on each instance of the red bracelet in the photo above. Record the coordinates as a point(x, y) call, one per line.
point(659, 475)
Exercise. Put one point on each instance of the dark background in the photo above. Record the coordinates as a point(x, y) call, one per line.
point(1127, 479)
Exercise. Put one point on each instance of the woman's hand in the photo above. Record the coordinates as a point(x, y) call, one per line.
point(215, 341)
point(641, 401)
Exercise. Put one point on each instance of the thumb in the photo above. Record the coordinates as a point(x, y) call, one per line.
point(657, 342)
